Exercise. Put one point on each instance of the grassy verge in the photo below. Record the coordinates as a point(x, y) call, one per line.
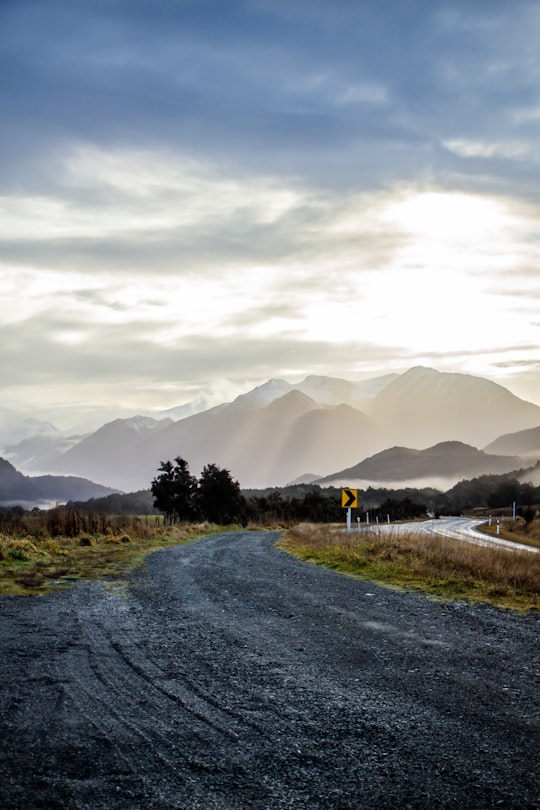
point(518, 531)
point(32, 564)
point(441, 568)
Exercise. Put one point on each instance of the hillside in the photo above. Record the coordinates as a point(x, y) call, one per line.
point(103, 455)
point(18, 488)
point(525, 443)
point(446, 461)
point(423, 407)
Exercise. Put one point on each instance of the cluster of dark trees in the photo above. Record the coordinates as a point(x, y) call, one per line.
point(215, 497)
point(324, 506)
point(493, 491)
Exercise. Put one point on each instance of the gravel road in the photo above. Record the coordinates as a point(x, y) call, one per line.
point(229, 675)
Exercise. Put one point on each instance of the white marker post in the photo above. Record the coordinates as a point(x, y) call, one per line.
point(349, 516)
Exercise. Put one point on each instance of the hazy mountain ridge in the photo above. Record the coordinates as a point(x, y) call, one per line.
point(88, 455)
point(451, 460)
point(16, 487)
point(524, 442)
point(280, 431)
point(423, 407)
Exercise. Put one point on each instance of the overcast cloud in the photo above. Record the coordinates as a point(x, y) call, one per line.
point(197, 195)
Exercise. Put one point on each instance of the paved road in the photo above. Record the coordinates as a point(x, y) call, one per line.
point(455, 528)
point(230, 675)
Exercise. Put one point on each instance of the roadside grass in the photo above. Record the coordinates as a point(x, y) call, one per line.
point(446, 569)
point(519, 531)
point(32, 564)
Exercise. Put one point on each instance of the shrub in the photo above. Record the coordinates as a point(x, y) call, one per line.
point(86, 540)
point(21, 549)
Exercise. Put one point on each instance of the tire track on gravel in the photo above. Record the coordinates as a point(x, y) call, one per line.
point(229, 676)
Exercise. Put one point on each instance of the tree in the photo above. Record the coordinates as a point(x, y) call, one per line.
point(219, 497)
point(504, 494)
point(175, 491)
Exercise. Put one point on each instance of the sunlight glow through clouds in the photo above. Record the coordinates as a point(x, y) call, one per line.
point(401, 266)
point(448, 217)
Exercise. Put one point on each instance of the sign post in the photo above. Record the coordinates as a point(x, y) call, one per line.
point(349, 501)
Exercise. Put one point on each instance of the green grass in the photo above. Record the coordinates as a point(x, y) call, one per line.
point(440, 568)
point(31, 565)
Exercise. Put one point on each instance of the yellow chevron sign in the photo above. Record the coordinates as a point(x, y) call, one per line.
point(349, 498)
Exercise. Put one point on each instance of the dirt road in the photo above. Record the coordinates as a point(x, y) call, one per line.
point(230, 675)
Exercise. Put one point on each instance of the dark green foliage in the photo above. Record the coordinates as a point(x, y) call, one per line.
point(219, 499)
point(293, 504)
point(315, 504)
point(175, 491)
point(405, 509)
point(216, 497)
point(494, 491)
point(506, 493)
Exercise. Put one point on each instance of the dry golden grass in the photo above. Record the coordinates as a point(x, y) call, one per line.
point(446, 568)
point(518, 530)
point(30, 565)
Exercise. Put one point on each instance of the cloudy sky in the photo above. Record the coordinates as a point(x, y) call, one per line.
point(198, 195)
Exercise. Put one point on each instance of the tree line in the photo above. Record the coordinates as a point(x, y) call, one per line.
point(216, 497)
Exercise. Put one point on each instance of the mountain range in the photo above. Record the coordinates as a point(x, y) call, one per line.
point(281, 431)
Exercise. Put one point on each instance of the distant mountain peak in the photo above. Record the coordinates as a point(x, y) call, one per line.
point(142, 424)
point(293, 399)
point(262, 395)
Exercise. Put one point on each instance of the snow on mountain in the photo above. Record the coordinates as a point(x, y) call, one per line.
point(262, 395)
point(335, 391)
point(102, 455)
point(189, 409)
point(36, 453)
point(145, 424)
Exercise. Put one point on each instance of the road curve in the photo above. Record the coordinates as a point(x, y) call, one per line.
point(228, 674)
point(456, 528)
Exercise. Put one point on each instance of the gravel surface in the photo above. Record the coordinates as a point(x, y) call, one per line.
point(230, 675)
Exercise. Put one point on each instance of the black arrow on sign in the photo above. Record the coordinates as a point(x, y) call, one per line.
point(351, 498)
